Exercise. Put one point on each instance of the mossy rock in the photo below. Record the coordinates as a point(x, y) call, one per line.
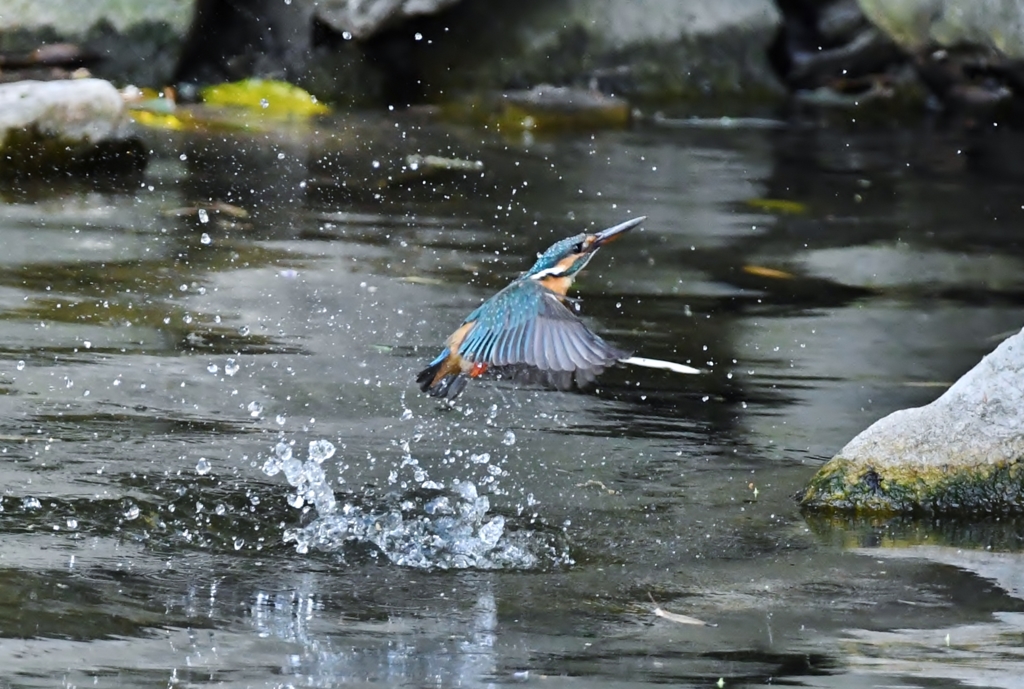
point(961, 454)
point(68, 126)
point(866, 487)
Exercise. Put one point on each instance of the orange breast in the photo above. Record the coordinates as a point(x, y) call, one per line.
point(456, 338)
point(559, 285)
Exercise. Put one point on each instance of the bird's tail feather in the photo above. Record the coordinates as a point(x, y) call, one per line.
point(449, 386)
point(425, 378)
point(658, 363)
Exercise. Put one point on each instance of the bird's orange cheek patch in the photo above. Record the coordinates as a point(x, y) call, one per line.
point(478, 370)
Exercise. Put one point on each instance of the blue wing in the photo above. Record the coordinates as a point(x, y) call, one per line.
point(528, 325)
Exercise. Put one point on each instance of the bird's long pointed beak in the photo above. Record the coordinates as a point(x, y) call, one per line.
point(612, 233)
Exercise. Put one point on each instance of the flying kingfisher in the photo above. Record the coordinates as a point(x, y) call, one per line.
point(527, 328)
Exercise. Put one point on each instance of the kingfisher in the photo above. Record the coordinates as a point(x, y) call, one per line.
point(528, 328)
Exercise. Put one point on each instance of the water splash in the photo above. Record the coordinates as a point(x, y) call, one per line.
point(427, 526)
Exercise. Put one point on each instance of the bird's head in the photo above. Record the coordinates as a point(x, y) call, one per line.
point(568, 257)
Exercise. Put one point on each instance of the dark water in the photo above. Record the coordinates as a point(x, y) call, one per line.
point(151, 362)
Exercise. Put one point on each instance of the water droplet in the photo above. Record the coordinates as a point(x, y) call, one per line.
point(20, 366)
point(205, 239)
point(87, 344)
point(255, 409)
point(264, 103)
point(490, 533)
point(283, 451)
point(407, 414)
point(239, 542)
point(132, 512)
point(203, 466)
point(220, 509)
point(509, 439)
point(280, 419)
point(321, 450)
point(204, 217)
point(31, 503)
point(243, 331)
point(231, 367)
point(213, 368)
point(72, 523)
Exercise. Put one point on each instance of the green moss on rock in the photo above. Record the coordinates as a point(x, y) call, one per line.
point(863, 488)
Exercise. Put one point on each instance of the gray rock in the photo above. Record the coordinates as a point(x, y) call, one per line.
point(918, 24)
point(59, 125)
point(961, 453)
point(364, 18)
point(659, 50)
point(402, 51)
point(133, 41)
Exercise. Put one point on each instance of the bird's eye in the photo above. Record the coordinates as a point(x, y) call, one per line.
point(578, 248)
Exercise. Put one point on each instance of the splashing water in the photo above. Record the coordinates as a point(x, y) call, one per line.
point(427, 527)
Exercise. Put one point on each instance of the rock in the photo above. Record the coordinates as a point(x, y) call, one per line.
point(134, 41)
point(231, 41)
point(969, 53)
point(960, 454)
point(364, 18)
point(546, 108)
point(653, 50)
point(830, 43)
point(401, 52)
point(79, 124)
point(919, 24)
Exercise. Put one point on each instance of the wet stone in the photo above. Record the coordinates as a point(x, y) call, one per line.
point(961, 454)
point(77, 125)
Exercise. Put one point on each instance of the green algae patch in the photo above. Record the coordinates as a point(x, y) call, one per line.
point(865, 488)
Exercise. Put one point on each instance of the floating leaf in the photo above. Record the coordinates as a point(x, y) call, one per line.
point(778, 206)
point(762, 271)
point(275, 98)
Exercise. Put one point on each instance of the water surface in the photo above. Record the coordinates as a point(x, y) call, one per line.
point(160, 364)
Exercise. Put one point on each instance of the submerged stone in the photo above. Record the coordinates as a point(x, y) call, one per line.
point(961, 454)
point(547, 108)
point(68, 125)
